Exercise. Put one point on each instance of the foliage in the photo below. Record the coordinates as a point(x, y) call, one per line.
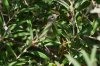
point(22, 22)
point(90, 61)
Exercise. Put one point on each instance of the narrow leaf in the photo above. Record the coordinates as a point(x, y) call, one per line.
point(72, 60)
point(6, 4)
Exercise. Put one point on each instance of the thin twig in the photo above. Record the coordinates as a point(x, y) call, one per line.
point(25, 50)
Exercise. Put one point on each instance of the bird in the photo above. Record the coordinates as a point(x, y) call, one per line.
point(51, 19)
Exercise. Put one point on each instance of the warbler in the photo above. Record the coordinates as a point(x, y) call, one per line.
point(51, 19)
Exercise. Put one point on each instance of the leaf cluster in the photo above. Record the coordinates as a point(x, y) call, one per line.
point(22, 22)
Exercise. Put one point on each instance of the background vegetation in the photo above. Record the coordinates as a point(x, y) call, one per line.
point(75, 29)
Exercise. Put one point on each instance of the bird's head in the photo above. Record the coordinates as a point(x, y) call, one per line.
point(52, 18)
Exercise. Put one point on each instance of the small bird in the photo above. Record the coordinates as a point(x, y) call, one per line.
point(51, 19)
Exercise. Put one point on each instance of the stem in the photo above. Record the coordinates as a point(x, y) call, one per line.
point(73, 16)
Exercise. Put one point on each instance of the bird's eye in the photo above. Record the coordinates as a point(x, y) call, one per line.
point(52, 17)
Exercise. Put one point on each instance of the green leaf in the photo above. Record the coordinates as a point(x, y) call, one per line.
point(86, 57)
point(19, 34)
point(1, 22)
point(6, 4)
point(94, 25)
point(30, 30)
point(77, 4)
point(93, 55)
point(11, 50)
point(50, 64)
point(12, 63)
point(81, 4)
point(62, 2)
point(41, 55)
point(19, 62)
point(12, 26)
point(72, 60)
